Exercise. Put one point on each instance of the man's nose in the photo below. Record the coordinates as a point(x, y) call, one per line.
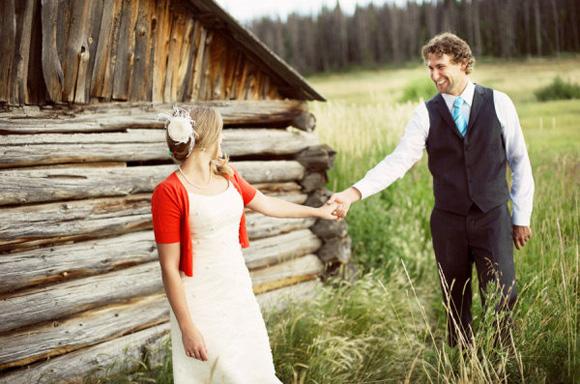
point(435, 75)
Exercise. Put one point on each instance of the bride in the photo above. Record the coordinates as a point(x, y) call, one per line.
point(218, 334)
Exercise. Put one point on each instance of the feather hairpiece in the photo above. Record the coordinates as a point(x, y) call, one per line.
point(180, 125)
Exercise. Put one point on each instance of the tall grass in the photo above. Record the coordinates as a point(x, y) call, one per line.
point(391, 245)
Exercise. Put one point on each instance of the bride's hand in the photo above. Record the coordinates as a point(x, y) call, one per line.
point(193, 344)
point(327, 211)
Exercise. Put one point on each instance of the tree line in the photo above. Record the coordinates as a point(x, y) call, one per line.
point(390, 33)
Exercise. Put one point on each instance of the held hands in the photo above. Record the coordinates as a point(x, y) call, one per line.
point(193, 344)
point(344, 200)
point(327, 211)
point(521, 235)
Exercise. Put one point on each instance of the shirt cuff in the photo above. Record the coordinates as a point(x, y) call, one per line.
point(521, 218)
point(364, 191)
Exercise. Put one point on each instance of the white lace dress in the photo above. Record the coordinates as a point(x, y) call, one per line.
point(221, 301)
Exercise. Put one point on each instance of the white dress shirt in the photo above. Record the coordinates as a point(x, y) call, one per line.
point(410, 150)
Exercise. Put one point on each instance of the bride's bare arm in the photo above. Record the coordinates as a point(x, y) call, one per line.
point(169, 260)
point(274, 207)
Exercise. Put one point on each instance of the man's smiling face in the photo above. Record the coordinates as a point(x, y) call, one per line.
point(449, 77)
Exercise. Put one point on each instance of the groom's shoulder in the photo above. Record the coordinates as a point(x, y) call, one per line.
point(428, 103)
point(492, 92)
point(484, 89)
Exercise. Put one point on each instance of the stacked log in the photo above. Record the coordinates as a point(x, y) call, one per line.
point(81, 150)
point(78, 261)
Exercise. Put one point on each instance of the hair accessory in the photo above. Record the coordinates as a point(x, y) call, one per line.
point(180, 125)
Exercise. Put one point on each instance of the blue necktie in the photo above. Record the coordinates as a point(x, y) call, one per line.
point(458, 117)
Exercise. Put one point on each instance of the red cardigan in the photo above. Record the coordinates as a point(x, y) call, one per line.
point(170, 212)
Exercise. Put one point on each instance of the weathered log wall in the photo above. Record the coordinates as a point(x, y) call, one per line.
point(88, 354)
point(148, 50)
point(81, 149)
point(78, 264)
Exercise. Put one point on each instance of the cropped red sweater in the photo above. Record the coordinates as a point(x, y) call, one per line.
point(170, 212)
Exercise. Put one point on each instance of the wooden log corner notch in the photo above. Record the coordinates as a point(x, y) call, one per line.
point(316, 160)
point(305, 121)
point(335, 251)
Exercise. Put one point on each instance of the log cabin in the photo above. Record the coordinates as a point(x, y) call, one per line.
point(81, 149)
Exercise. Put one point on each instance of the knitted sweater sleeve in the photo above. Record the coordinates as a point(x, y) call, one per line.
point(248, 191)
point(166, 215)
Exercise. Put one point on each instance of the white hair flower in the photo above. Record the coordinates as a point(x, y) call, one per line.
point(180, 126)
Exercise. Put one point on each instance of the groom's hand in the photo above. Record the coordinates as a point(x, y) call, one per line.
point(344, 199)
point(521, 235)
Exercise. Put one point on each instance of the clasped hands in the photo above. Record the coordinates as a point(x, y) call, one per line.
point(340, 202)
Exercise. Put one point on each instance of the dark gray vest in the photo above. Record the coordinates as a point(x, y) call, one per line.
point(471, 169)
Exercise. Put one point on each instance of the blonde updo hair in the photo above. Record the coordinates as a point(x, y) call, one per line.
point(208, 125)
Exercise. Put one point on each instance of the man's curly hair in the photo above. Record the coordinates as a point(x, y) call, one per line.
point(452, 45)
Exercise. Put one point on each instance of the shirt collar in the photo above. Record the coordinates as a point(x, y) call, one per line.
point(466, 95)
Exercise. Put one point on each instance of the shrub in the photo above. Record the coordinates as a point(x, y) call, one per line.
point(558, 90)
point(418, 89)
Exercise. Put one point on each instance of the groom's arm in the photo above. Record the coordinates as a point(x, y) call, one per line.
point(522, 189)
point(392, 167)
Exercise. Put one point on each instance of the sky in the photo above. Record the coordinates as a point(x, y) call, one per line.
point(246, 10)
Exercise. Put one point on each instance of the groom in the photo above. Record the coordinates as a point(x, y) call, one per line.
point(470, 133)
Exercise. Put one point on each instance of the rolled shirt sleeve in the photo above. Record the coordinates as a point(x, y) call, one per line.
point(522, 189)
point(395, 165)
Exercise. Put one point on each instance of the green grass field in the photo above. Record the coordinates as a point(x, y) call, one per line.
point(389, 325)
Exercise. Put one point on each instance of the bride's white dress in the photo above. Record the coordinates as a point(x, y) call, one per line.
point(221, 301)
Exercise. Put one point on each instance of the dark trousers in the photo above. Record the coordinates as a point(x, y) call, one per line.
point(459, 241)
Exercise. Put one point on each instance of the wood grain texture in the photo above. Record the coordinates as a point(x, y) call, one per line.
point(37, 305)
point(139, 145)
point(59, 263)
point(122, 353)
point(23, 38)
point(8, 38)
point(204, 85)
point(24, 186)
point(122, 116)
point(51, 64)
point(85, 329)
point(104, 67)
point(162, 37)
point(260, 226)
point(141, 83)
point(70, 261)
point(296, 293)
point(76, 52)
point(93, 34)
point(125, 54)
point(138, 345)
point(279, 248)
point(185, 62)
point(54, 223)
point(61, 300)
point(289, 272)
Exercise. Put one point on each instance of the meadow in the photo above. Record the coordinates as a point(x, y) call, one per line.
point(386, 324)
point(389, 324)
